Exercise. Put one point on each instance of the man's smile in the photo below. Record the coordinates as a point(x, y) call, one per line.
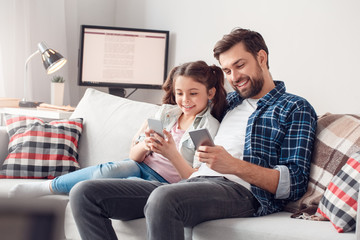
point(241, 84)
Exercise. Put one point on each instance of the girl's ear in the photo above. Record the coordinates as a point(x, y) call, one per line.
point(211, 93)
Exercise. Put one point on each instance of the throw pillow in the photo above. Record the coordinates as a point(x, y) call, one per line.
point(337, 138)
point(39, 149)
point(110, 123)
point(339, 203)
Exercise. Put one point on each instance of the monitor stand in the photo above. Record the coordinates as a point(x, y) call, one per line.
point(120, 92)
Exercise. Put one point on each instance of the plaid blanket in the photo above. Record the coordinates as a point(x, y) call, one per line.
point(337, 138)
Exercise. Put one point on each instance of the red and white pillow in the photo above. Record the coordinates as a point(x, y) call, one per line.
point(40, 149)
point(340, 201)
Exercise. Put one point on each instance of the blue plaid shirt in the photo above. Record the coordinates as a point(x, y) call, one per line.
point(281, 131)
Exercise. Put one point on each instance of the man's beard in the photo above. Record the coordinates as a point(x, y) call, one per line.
point(257, 83)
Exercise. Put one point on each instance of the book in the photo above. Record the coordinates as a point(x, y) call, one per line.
point(9, 102)
point(46, 106)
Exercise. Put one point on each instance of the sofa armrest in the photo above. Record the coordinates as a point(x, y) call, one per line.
point(357, 230)
point(4, 142)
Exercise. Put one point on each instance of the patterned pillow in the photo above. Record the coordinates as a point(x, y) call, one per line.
point(339, 203)
point(39, 149)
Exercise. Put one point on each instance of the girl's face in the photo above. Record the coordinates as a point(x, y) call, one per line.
point(191, 96)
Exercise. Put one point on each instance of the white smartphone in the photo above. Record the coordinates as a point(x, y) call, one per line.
point(201, 137)
point(156, 125)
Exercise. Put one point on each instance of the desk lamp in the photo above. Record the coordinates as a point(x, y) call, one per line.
point(52, 61)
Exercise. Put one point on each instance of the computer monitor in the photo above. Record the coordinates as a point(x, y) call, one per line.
point(118, 58)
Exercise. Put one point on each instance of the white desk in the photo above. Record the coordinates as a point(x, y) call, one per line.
point(44, 114)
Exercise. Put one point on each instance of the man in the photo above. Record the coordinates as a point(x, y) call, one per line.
point(260, 162)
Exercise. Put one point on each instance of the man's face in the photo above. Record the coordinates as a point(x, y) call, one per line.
point(242, 71)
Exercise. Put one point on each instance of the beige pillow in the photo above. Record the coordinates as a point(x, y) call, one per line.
point(110, 123)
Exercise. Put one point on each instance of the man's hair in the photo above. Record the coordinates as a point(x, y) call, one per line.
point(253, 42)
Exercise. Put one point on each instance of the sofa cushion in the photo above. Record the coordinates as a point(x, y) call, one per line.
point(337, 138)
point(277, 226)
point(339, 203)
point(39, 149)
point(110, 124)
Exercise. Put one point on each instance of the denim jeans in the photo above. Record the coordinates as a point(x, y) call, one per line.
point(168, 207)
point(122, 169)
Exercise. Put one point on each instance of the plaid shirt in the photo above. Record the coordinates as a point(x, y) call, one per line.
point(281, 131)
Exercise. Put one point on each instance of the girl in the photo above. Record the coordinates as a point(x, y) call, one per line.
point(194, 98)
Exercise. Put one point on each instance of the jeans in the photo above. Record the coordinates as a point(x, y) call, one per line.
point(122, 169)
point(168, 208)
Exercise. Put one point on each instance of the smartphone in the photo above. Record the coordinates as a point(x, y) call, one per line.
point(201, 137)
point(156, 125)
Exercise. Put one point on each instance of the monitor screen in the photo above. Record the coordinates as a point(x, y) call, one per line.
point(117, 57)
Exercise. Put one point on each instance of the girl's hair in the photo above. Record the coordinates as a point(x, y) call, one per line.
point(210, 76)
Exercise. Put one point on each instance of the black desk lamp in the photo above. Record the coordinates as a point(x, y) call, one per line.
point(52, 61)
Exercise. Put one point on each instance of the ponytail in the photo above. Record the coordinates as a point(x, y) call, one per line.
point(168, 87)
point(218, 103)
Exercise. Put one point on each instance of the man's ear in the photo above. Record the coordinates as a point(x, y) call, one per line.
point(211, 93)
point(262, 58)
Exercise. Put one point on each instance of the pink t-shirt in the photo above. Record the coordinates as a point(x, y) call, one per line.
point(162, 165)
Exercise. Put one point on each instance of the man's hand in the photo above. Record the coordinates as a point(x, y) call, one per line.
point(218, 159)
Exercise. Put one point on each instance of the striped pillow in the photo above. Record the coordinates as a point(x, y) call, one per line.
point(339, 203)
point(39, 149)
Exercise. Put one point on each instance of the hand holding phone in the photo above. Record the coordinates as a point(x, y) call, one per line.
point(201, 137)
point(156, 125)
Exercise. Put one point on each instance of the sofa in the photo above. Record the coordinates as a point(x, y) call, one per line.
point(109, 123)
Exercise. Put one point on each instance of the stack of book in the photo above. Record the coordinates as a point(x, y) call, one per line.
point(45, 106)
point(9, 102)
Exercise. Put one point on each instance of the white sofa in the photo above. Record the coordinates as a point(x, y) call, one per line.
point(109, 125)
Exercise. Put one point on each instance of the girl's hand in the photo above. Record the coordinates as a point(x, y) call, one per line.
point(164, 146)
point(167, 148)
point(149, 139)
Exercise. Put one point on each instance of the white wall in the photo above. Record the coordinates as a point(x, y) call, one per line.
point(91, 12)
point(314, 44)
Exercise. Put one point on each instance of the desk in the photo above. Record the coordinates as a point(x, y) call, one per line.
point(43, 114)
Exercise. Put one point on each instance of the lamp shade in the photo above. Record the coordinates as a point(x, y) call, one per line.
point(52, 60)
